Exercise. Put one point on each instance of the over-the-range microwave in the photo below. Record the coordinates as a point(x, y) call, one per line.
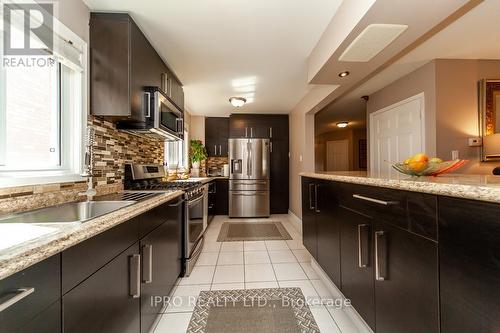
point(163, 120)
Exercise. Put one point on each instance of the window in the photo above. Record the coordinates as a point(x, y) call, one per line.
point(42, 109)
point(177, 152)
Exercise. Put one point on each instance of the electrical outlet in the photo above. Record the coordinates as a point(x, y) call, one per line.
point(475, 142)
point(454, 155)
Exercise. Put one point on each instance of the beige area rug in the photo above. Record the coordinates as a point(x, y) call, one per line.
point(272, 310)
point(252, 231)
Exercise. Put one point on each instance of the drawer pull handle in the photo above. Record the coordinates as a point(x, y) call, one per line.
point(177, 204)
point(311, 206)
point(18, 295)
point(147, 263)
point(380, 250)
point(135, 275)
point(380, 202)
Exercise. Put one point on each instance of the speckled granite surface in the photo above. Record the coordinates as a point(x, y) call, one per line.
point(474, 187)
point(20, 256)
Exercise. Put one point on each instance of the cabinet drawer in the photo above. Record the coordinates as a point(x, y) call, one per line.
point(412, 211)
point(44, 279)
point(154, 218)
point(82, 260)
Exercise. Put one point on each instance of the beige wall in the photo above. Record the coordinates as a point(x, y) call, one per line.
point(421, 80)
point(197, 128)
point(451, 105)
point(457, 105)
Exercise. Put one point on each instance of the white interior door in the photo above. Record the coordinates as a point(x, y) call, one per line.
point(396, 133)
point(337, 155)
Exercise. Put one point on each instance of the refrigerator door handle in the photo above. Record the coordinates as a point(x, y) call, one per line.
point(249, 159)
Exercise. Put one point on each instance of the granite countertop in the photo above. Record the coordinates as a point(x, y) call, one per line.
point(46, 240)
point(205, 180)
point(474, 187)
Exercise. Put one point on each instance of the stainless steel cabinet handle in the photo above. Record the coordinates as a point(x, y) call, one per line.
point(180, 128)
point(147, 96)
point(316, 201)
point(311, 206)
point(220, 150)
point(18, 295)
point(147, 263)
point(270, 132)
point(363, 246)
point(251, 132)
point(380, 202)
point(215, 149)
point(246, 132)
point(380, 266)
point(135, 276)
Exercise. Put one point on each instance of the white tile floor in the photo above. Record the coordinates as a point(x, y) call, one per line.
point(248, 265)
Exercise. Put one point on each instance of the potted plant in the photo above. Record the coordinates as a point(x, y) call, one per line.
point(198, 153)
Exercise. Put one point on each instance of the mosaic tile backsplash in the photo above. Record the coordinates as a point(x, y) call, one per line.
point(112, 149)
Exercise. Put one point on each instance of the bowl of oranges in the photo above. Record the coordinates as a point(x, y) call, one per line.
point(421, 165)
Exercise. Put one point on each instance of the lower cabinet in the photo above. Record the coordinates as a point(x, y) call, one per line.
point(357, 262)
point(222, 196)
point(469, 254)
point(161, 265)
point(406, 281)
point(328, 229)
point(309, 226)
point(109, 300)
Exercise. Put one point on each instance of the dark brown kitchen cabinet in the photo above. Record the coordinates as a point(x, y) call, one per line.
point(222, 197)
point(109, 300)
point(328, 228)
point(406, 281)
point(122, 63)
point(161, 254)
point(309, 225)
point(216, 136)
point(40, 285)
point(356, 247)
point(173, 89)
point(469, 253)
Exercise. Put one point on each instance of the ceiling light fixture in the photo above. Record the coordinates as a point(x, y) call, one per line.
point(344, 74)
point(237, 101)
point(342, 124)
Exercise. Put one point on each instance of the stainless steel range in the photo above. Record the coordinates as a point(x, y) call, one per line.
point(147, 177)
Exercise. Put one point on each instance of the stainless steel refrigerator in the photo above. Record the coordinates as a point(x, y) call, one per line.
point(249, 178)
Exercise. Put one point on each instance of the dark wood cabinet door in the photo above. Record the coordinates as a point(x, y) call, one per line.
point(216, 136)
point(222, 196)
point(161, 264)
point(406, 281)
point(279, 164)
point(109, 65)
point(45, 279)
point(356, 247)
point(309, 228)
point(469, 252)
point(328, 229)
point(102, 303)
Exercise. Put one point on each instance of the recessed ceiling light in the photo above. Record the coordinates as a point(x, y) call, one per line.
point(237, 101)
point(344, 74)
point(342, 124)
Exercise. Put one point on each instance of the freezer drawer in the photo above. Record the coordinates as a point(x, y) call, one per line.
point(248, 185)
point(249, 204)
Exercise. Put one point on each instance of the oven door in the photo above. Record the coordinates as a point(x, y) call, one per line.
point(195, 222)
point(168, 118)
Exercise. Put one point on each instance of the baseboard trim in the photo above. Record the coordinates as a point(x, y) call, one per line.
point(350, 311)
point(296, 221)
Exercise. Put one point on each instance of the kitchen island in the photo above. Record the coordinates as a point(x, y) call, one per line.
point(412, 254)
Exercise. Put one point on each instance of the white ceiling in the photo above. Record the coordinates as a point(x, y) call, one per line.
point(221, 48)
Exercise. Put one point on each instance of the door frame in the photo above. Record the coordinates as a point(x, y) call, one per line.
point(421, 97)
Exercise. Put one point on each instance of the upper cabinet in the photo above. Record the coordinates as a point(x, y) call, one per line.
point(173, 88)
point(122, 63)
point(216, 136)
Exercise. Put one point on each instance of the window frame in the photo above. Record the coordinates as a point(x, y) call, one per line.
point(71, 140)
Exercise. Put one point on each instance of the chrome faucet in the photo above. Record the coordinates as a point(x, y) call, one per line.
point(89, 164)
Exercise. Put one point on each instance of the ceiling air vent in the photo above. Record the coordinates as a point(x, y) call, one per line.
point(372, 41)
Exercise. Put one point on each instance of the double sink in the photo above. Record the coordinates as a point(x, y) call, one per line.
point(79, 211)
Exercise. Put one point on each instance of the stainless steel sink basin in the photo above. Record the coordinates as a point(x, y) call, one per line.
point(69, 212)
